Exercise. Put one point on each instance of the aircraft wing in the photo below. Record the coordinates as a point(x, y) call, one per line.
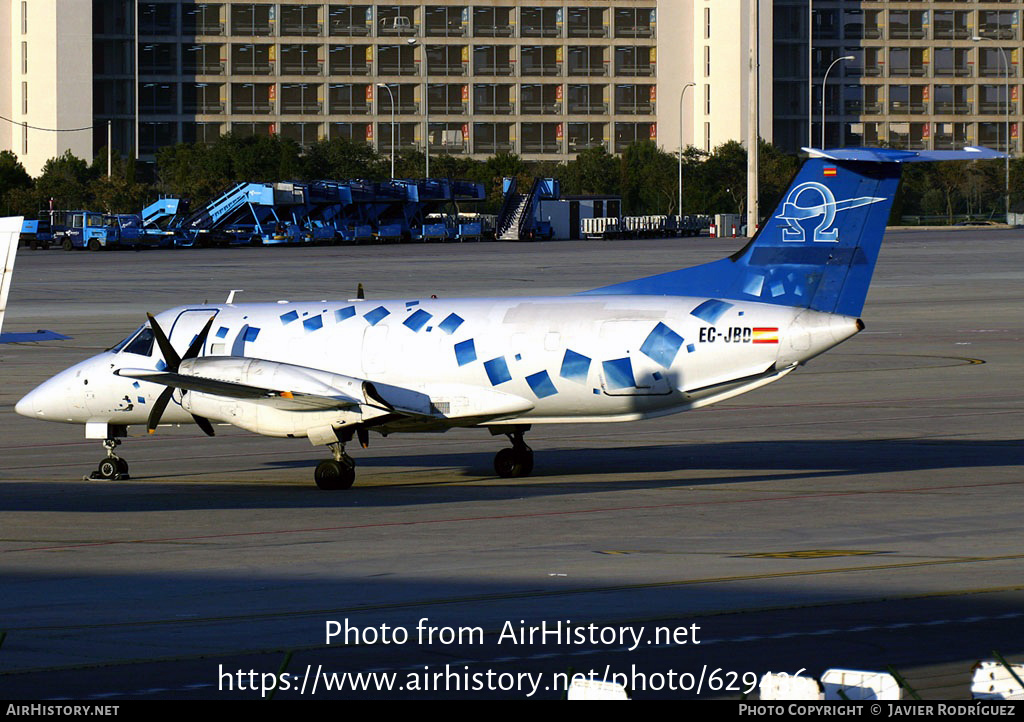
point(289, 387)
point(276, 397)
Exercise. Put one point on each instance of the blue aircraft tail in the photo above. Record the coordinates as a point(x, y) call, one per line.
point(818, 248)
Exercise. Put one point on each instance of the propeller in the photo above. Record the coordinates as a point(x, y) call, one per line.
point(172, 361)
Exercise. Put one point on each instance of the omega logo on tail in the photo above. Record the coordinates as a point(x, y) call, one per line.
point(825, 211)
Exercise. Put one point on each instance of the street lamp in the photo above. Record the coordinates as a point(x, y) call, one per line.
point(679, 209)
point(413, 42)
point(1006, 86)
point(810, 73)
point(388, 88)
point(824, 86)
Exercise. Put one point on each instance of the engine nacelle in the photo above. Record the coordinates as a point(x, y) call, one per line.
point(268, 420)
point(280, 415)
point(276, 376)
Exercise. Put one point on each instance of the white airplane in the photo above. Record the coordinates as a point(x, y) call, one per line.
point(334, 371)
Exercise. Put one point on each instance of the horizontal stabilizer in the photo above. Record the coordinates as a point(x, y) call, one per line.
point(893, 155)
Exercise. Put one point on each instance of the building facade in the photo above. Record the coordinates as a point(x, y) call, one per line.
point(924, 73)
point(544, 79)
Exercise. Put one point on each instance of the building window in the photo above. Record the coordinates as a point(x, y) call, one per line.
point(24, 98)
point(707, 61)
point(24, 57)
point(707, 23)
point(707, 137)
point(24, 17)
point(707, 99)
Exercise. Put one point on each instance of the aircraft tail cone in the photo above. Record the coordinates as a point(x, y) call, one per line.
point(812, 333)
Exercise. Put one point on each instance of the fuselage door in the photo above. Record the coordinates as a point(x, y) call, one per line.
point(187, 326)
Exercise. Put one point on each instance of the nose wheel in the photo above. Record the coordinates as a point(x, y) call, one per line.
point(113, 466)
point(515, 462)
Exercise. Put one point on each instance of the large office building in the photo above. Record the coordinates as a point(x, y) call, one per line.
point(541, 78)
point(905, 73)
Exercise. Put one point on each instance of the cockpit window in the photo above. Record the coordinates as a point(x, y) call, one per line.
point(139, 343)
point(124, 342)
point(142, 345)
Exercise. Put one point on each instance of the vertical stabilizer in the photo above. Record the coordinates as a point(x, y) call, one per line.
point(818, 248)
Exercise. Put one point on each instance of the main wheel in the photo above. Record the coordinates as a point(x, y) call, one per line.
point(67, 245)
point(332, 475)
point(94, 245)
point(514, 463)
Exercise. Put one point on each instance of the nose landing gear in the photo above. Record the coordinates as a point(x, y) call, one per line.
point(113, 466)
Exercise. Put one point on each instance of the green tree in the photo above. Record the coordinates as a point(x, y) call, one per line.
point(648, 179)
point(594, 171)
point(344, 159)
point(194, 171)
point(13, 177)
point(776, 171)
point(724, 180)
point(118, 192)
point(66, 179)
point(503, 165)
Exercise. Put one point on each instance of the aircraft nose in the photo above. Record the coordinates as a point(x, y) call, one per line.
point(25, 405)
point(48, 401)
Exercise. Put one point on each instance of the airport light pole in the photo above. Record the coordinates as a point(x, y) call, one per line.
point(824, 86)
point(810, 73)
point(413, 42)
point(679, 209)
point(1006, 86)
point(388, 88)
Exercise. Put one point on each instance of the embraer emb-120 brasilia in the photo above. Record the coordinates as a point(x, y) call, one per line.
point(334, 371)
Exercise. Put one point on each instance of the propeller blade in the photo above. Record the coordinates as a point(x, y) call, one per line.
point(197, 345)
point(363, 435)
point(172, 361)
point(171, 358)
point(158, 409)
point(204, 424)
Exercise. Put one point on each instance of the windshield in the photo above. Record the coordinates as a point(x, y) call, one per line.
point(140, 342)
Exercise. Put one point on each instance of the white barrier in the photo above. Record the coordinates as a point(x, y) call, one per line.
point(582, 688)
point(857, 685)
point(993, 680)
point(787, 686)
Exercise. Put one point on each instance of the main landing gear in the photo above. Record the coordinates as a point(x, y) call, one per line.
point(113, 466)
point(336, 473)
point(517, 461)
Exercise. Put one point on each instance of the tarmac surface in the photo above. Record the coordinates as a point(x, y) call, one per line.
point(863, 512)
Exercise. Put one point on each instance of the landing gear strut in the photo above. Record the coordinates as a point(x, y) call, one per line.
point(517, 461)
point(336, 473)
point(113, 466)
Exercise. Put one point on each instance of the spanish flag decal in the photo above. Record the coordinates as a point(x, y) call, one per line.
point(829, 172)
point(766, 335)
